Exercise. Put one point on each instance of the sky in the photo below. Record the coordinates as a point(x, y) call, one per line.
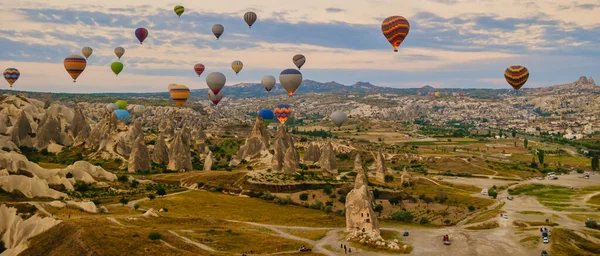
point(451, 43)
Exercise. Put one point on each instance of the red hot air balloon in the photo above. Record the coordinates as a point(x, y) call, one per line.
point(395, 29)
point(199, 68)
point(141, 34)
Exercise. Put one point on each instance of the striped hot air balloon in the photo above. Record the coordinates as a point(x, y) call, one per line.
point(179, 10)
point(11, 75)
point(516, 76)
point(141, 34)
point(199, 68)
point(87, 52)
point(75, 65)
point(237, 66)
point(395, 29)
point(139, 109)
point(179, 94)
point(250, 18)
point(282, 112)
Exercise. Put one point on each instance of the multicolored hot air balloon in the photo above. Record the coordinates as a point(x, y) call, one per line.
point(282, 112)
point(218, 30)
point(139, 109)
point(290, 79)
point(11, 75)
point(237, 66)
point(216, 81)
point(116, 67)
point(199, 68)
point(87, 52)
point(179, 94)
point(122, 114)
point(299, 60)
point(179, 10)
point(516, 76)
point(268, 82)
point(141, 34)
point(338, 118)
point(75, 65)
point(119, 51)
point(110, 107)
point(250, 18)
point(215, 98)
point(395, 29)
point(267, 115)
point(121, 104)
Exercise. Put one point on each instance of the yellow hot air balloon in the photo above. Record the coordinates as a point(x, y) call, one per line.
point(179, 94)
point(237, 66)
point(75, 65)
point(119, 51)
point(87, 52)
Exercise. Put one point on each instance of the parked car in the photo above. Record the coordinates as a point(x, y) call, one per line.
point(546, 240)
point(505, 216)
point(405, 233)
point(510, 198)
point(304, 249)
point(544, 253)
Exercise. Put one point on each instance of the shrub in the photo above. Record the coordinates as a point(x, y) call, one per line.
point(424, 220)
point(134, 183)
point(250, 168)
point(403, 215)
point(591, 224)
point(123, 201)
point(82, 186)
point(200, 184)
point(161, 191)
point(389, 178)
point(69, 175)
point(155, 236)
point(96, 201)
point(446, 222)
point(318, 205)
point(123, 178)
point(304, 196)
point(327, 189)
point(328, 209)
point(151, 196)
point(471, 208)
point(378, 208)
point(136, 206)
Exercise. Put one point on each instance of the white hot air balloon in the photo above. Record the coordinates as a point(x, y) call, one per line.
point(110, 107)
point(215, 98)
point(338, 118)
point(268, 82)
point(290, 79)
point(216, 81)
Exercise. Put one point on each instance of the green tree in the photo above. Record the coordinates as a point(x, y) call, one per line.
point(161, 191)
point(124, 201)
point(154, 236)
point(514, 133)
point(304, 196)
point(151, 196)
point(471, 208)
point(595, 163)
point(403, 215)
point(389, 178)
point(492, 192)
point(424, 220)
point(378, 209)
point(540, 155)
point(525, 142)
point(591, 224)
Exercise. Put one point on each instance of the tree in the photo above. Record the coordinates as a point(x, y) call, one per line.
point(378, 209)
point(525, 142)
point(151, 196)
point(441, 196)
point(161, 191)
point(403, 215)
point(124, 201)
point(154, 236)
point(514, 133)
point(424, 220)
point(591, 224)
point(389, 178)
point(471, 208)
point(540, 155)
point(304, 196)
point(492, 192)
point(134, 183)
point(595, 163)
point(395, 200)
point(69, 175)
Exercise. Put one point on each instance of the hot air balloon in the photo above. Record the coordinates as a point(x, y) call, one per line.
point(75, 65)
point(110, 107)
point(141, 34)
point(199, 68)
point(215, 98)
point(11, 75)
point(121, 104)
point(218, 30)
point(139, 109)
point(237, 66)
point(338, 118)
point(267, 115)
point(179, 10)
point(516, 76)
point(290, 79)
point(282, 112)
point(119, 51)
point(268, 82)
point(395, 29)
point(299, 60)
point(87, 52)
point(122, 114)
point(179, 94)
point(250, 18)
point(216, 81)
point(116, 67)
point(171, 86)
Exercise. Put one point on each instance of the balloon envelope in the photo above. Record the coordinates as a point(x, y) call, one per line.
point(87, 52)
point(116, 67)
point(237, 66)
point(179, 10)
point(215, 81)
point(299, 60)
point(119, 51)
point(139, 109)
point(250, 18)
point(215, 98)
point(121, 104)
point(268, 82)
point(267, 115)
point(141, 34)
point(282, 112)
point(75, 65)
point(122, 114)
point(338, 118)
point(179, 94)
point(199, 68)
point(290, 79)
point(110, 107)
point(516, 76)
point(218, 30)
point(11, 75)
point(395, 29)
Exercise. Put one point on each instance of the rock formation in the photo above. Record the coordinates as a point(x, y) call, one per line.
point(49, 131)
point(180, 157)
point(16, 231)
point(103, 132)
point(139, 159)
point(360, 217)
point(290, 161)
point(160, 155)
point(405, 178)
point(286, 138)
point(123, 147)
point(312, 154)
point(80, 128)
point(208, 161)
point(168, 129)
point(21, 131)
point(380, 170)
point(327, 159)
point(279, 150)
point(255, 144)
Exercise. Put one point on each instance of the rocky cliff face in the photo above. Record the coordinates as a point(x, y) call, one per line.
point(327, 160)
point(21, 131)
point(255, 144)
point(360, 217)
point(180, 157)
point(290, 161)
point(103, 132)
point(312, 154)
point(15, 231)
point(380, 169)
point(208, 161)
point(139, 160)
point(51, 131)
point(80, 128)
point(160, 155)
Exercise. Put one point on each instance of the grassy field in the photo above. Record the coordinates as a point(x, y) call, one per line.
point(530, 242)
point(554, 197)
point(532, 212)
point(583, 217)
point(487, 215)
point(485, 225)
point(575, 161)
point(221, 206)
point(594, 200)
point(314, 235)
point(52, 165)
point(572, 243)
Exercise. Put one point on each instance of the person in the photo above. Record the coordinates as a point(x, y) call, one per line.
point(349, 250)
point(341, 246)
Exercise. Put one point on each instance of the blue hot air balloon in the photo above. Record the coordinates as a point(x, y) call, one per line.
point(122, 114)
point(267, 115)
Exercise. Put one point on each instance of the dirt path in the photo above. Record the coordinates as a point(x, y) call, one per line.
point(131, 204)
point(187, 240)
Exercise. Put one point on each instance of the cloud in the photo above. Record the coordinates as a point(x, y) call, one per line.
point(334, 10)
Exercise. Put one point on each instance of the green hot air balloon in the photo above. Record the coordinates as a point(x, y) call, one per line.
point(179, 10)
point(121, 104)
point(116, 67)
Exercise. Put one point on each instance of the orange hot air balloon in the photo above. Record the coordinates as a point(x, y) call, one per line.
point(282, 112)
point(75, 65)
point(395, 29)
point(179, 94)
